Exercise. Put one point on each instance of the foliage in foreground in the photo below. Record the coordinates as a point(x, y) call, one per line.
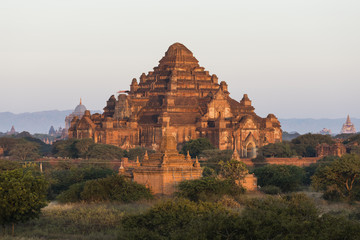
point(288, 217)
point(22, 195)
point(78, 221)
point(112, 188)
point(287, 177)
point(339, 179)
point(208, 188)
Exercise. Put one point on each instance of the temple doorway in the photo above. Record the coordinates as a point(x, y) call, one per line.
point(251, 150)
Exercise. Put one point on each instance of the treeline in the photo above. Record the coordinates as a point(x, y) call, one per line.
point(24, 147)
point(305, 145)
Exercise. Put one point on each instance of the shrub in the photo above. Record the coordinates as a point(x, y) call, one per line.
point(179, 219)
point(208, 188)
point(61, 180)
point(288, 217)
point(112, 188)
point(288, 178)
point(72, 194)
point(8, 165)
point(270, 189)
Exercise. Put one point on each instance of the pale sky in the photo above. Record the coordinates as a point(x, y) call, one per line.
point(293, 58)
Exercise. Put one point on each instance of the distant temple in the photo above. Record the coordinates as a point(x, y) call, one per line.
point(348, 126)
point(78, 112)
point(325, 131)
point(12, 131)
point(179, 92)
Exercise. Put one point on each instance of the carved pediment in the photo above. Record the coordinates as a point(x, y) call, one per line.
point(248, 122)
point(219, 104)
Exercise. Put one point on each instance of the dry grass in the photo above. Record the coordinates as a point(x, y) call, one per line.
point(78, 221)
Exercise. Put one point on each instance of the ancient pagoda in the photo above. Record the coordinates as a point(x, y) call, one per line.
point(162, 171)
point(348, 126)
point(195, 104)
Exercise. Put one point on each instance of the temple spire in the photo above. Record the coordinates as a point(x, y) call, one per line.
point(146, 156)
point(80, 102)
point(235, 155)
point(348, 121)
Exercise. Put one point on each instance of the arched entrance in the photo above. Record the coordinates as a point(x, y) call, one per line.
point(251, 150)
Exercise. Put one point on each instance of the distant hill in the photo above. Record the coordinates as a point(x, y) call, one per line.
point(306, 125)
point(40, 122)
point(36, 122)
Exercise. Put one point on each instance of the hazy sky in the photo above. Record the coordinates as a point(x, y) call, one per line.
point(293, 58)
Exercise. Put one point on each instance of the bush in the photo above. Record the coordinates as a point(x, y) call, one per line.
point(112, 188)
point(270, 189)
point(72, 194)
point(281, 150)
point(287, 217)
point(288, 178)
point(179, 219)
point(208, 188)
point(61, 180)
point(8, 165)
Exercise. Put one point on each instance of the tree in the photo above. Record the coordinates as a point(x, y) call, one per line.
point(233, 170)
point(196, 146)
point(7, 143)
point(287, 177)
point(305, 145)
point(207, 188)
point(25, 150)
point(281, 150)
point(22, 195)
point(105, 152)
point(341, 175)
point(82, 147)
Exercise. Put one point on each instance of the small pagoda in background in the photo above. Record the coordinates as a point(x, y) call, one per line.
point(348, 126)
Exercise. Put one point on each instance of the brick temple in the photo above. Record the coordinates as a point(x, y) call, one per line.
point(162, 171)
point(181, 94)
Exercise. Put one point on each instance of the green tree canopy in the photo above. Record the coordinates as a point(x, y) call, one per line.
point(305, 145)
point(281, 150)
point(22, 195)
point(196, 146)
point(233, 170)
point(287, 177)
point(341, 176)
point(208, 188)
point(25, 150)
point(86, 148)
